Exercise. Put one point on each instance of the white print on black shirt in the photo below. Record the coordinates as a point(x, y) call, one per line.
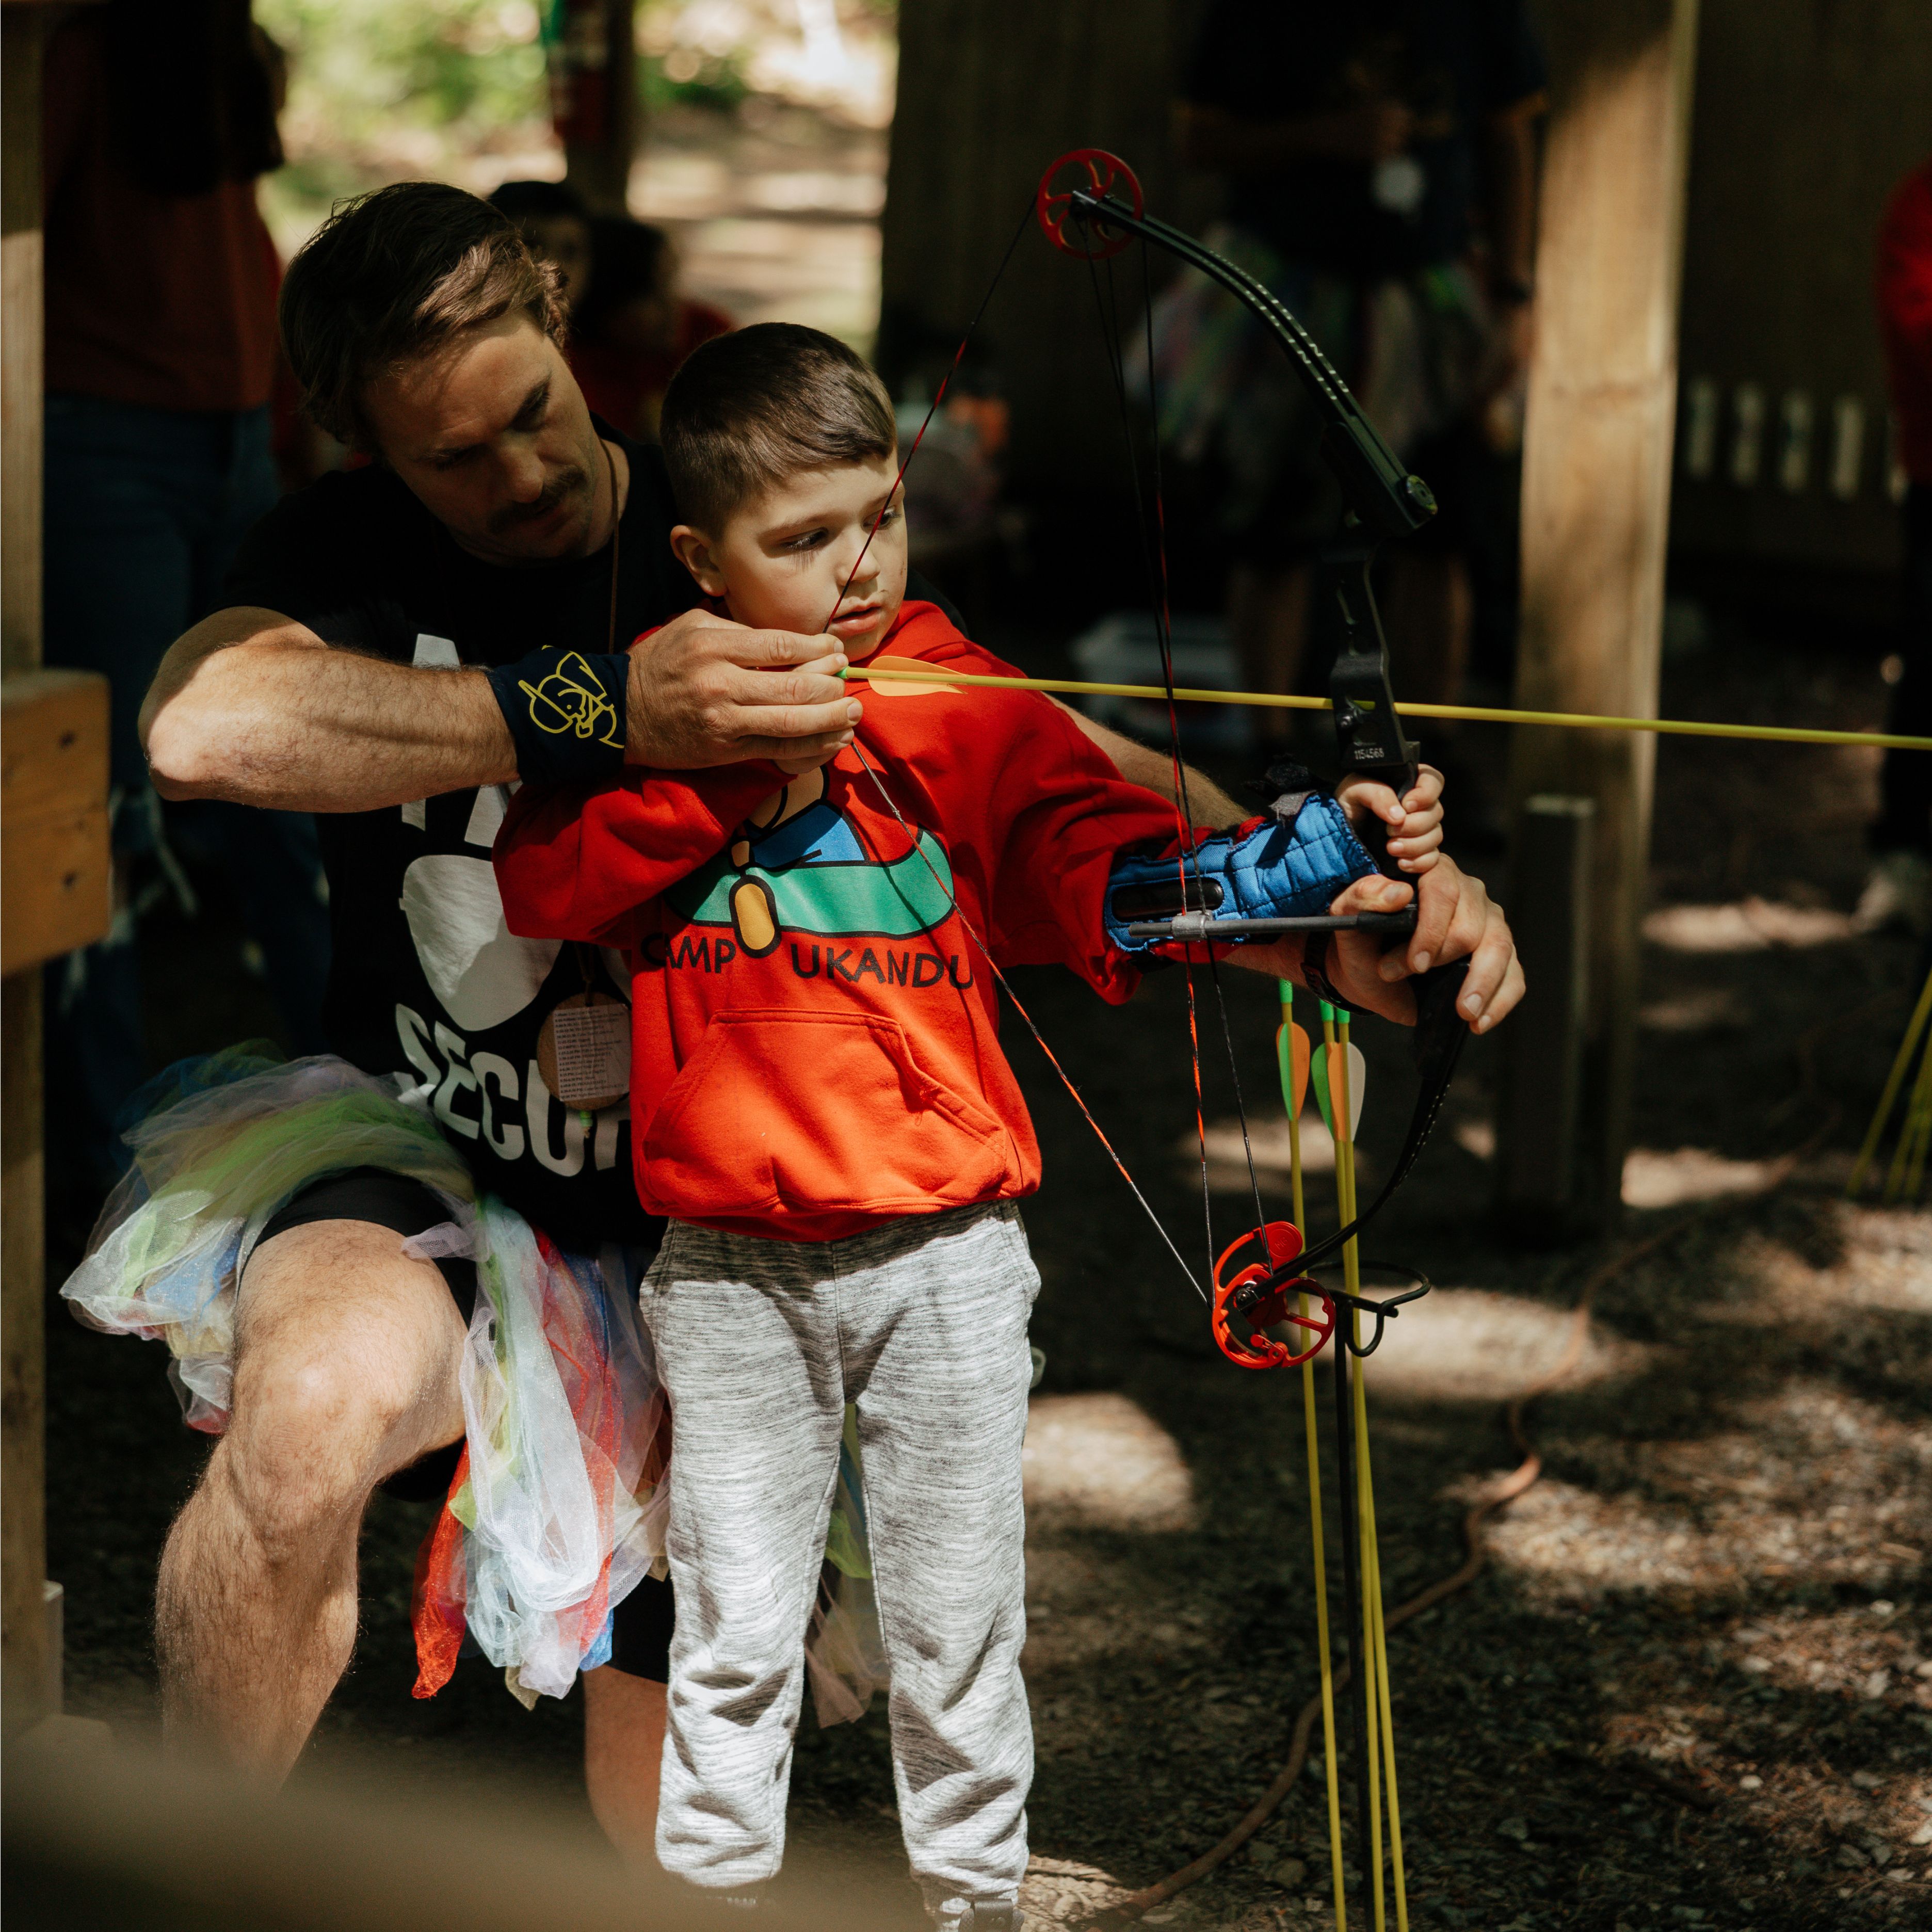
point(485, 977)
point(482, 974)
point(480, 1095)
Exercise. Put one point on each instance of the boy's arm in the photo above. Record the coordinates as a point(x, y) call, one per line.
point(1060, 850)
point(573, 862)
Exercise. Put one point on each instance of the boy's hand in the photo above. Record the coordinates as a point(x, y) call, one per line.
point(704, 691)
point(1413, 823)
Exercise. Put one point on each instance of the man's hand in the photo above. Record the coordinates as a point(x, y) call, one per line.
point(1455, 919)
point(1412, 825)
point(705, 691)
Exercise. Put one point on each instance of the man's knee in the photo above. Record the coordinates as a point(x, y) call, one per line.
point(309, 1438)
point(346, 1371)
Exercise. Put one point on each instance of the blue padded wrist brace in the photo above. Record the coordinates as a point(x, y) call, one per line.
point(1274, 871)
point(566, 712)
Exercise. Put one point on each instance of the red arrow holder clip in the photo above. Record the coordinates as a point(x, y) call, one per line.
point(1100, 171)
point(1281, 1242)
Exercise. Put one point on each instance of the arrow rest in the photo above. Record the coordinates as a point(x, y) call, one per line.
point(1258, 1292)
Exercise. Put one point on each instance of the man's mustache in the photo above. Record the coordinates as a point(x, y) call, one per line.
point(567, 483)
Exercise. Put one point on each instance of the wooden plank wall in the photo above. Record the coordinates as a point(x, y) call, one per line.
point(990, 92)
point(1808, 113)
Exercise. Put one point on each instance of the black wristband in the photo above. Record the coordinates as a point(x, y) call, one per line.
point(1315, 972)
point(566, 712)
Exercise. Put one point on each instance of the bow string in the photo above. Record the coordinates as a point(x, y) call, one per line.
point(1085, 218)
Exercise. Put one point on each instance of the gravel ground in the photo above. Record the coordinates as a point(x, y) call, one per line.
point(1693, 1687)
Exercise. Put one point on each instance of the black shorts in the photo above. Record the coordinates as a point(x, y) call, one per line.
point(640, 1631)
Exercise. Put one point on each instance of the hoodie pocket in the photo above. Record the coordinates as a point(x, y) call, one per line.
point(780, 1110)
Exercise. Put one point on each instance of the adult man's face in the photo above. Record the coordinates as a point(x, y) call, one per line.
point(492, 433)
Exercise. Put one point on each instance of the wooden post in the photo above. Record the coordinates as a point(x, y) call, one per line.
point(26, 1667)
point(593, 64)
point(990, 92)
point(55, 880)
point(1596, 488)
point(20, 349)
point(1536, 1123)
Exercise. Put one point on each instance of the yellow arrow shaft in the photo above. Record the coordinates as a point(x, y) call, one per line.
point(1786, 734)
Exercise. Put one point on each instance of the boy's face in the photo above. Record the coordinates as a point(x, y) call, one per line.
point(780, 562)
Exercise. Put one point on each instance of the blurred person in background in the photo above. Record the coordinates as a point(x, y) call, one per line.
point(1381, 167)
point(628, 337)
point(159, 116)
point(1900, 890)
point(630, 327)
point(555, 224)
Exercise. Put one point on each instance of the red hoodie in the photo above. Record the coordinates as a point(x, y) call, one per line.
point(814, 1034)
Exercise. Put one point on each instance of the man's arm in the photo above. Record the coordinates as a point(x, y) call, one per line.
point(1456, 919)
point(1154, 771)
point(252, 706)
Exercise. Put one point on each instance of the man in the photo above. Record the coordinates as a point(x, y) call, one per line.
point(498, 518)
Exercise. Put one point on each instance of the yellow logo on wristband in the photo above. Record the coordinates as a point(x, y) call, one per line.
point(572, 699)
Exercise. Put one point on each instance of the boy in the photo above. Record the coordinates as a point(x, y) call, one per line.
point(822, 1112)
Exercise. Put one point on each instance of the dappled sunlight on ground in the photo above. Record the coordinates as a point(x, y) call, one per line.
point(1653, 1179)
point(1101, 1462)
point(1814, 1487)
point(1472, 1344)
point(1748, 925)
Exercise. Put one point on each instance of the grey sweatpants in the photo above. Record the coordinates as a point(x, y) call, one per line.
point(922, 1324)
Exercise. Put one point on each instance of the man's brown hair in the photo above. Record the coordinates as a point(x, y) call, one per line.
point(750, 409)
point(396, 274)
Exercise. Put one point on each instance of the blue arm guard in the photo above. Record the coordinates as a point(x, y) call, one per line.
point(1273, 871)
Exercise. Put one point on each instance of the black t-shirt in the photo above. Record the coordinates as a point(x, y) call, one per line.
point(1454, 63)
point(426, 978)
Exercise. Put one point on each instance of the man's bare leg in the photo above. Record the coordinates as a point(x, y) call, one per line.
point(623, 1756)
point(346, 1363)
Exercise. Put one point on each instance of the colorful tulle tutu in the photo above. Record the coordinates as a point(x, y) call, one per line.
point(558, 1503)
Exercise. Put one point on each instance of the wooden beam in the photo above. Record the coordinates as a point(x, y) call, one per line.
point(1596, 490)
point(56, 874)
point(24, 29)
point(27, 1669)
point(1542, 1048)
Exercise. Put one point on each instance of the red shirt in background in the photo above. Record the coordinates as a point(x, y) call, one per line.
point(1905, 315)
point(814, 1034)
point(626, 387)
point(165, 300)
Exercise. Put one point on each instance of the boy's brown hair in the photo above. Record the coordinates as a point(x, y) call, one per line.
point(749, 409)
point(393, 275)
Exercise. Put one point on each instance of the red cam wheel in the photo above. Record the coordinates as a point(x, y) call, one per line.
point(1099, 171)
point(1281, 1243)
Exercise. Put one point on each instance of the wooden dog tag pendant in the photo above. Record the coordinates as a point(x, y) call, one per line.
point(584, 1051)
